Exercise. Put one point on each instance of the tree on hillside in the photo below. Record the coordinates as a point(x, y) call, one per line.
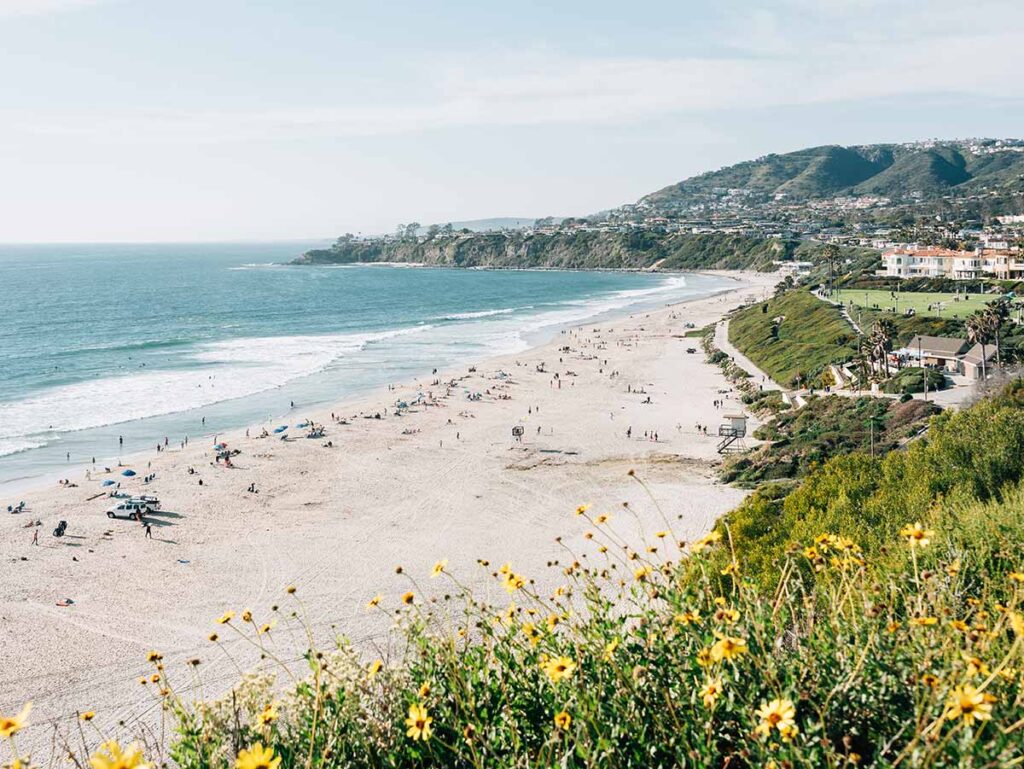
point(882, 333)
point(998, 312)
point(979, 331)
point(831, 253)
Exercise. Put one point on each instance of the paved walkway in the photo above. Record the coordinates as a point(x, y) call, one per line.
point(741, 360)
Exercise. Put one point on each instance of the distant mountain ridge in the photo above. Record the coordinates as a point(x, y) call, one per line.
point(896, 171)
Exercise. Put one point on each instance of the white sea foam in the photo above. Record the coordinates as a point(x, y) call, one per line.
point(229, 369)
point(479, 314)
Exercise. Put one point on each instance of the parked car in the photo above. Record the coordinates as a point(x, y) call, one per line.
point(133, 509)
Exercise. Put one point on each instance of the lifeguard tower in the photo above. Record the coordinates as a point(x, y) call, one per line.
point(732, 433)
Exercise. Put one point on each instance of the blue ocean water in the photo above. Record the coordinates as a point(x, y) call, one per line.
point(102, 342)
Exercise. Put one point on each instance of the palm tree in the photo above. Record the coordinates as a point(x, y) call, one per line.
point(882, 333)
point(979, 331)
point(998, 312)
point(830, 252)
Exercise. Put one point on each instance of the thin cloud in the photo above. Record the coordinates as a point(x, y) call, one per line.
point(540, 89)
point(10, 8)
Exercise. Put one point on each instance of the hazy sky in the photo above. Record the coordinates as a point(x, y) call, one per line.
point(221, 119)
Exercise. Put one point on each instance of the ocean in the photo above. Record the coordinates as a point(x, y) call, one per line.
point(101, 344)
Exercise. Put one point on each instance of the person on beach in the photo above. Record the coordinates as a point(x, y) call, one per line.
point(35, 537)
point(149, 530)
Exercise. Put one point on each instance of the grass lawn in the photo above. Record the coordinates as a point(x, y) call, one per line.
point(942, 305)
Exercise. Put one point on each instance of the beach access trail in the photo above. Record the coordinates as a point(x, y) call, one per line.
point(445, 479)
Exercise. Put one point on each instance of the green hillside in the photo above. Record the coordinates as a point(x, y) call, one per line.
point(895, 171)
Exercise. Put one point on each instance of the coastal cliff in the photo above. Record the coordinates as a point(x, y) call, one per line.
point(565, 250)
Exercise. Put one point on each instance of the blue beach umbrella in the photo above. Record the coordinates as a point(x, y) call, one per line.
point(107, 482)
point(280, 429)
point(128, 473)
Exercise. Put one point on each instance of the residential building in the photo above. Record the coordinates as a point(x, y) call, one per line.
point(929, 262)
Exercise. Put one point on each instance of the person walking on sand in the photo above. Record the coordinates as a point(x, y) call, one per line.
point(149, 530)
point(35, 537)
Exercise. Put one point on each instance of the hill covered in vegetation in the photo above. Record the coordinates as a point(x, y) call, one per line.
point(640, 249)
point(896, 171)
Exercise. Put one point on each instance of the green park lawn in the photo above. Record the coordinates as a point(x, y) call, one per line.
point(943, 305)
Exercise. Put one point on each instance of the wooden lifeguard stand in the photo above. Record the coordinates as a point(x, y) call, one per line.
point(732, 433)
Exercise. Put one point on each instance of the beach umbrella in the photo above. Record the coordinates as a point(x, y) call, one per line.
point(220, 446)
point(128, 473)
point(107, 482)
point(280, 429)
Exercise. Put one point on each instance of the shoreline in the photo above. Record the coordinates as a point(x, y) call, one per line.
point(445, 480)
point(12, 489)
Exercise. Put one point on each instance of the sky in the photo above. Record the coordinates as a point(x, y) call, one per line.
point(175, 120)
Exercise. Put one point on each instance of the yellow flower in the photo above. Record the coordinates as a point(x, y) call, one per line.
point(582, 509)
point(374, 601)
point(424, 690)
point(811, 554)
point(513, 582)
point(439, 568)
point(929, 680)
point(976, 666)
point(777, 714)
point(1016, 576)
point(917, 535)
point(112, 756)
point(88, 715)
point(290, 590)
point(257, 757)
point(418, 723)
point(609, 650)
point(246, 616)
point(959, 624)
point(603, 518)
point(731, 616)
point(711, 692)
point(727, 648)
point(532, 633)
point(1017, 623)
point(552, 622)
point(733, 569)
point(408, 598)
point(705, 658)
point(558, 668)
point(661, 534)
point(642, 573)
point(154, 657)
point(710, 539)
point(970, 704)
point(563, 720)
point(924, 621)
point(267, 627)
point(688, 618)
point(11, 725)
point(226, 617)
point(374, 669)
point(269, 714)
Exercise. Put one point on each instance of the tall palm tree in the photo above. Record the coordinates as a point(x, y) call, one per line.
point(979, 331)
point(882, 333)
point(998, 313)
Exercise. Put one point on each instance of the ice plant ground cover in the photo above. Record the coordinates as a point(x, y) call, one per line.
point(906, 650)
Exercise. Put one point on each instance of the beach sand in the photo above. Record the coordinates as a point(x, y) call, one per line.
point(442, 481)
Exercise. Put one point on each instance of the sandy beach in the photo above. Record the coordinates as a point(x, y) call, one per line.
point(446, 479)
